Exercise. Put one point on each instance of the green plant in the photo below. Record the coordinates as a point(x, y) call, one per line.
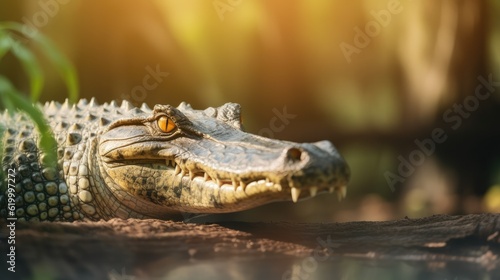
point(12, 39)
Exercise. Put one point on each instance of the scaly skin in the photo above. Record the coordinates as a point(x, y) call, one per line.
point(127, 162)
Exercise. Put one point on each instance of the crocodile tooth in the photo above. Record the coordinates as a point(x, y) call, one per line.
point(177, 170)
point(339, 194)
point(243, 185)
point(206, 177)
point(331, 189)
point(183, 172)
point(295, 194)
point(235, 184)
point(313, 191)
point(219, 183)
point(113, 104)
point(191, 175)
point(343, 191)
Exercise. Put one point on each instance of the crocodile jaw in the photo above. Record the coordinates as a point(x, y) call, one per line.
point(202, 194)
point(180, 189)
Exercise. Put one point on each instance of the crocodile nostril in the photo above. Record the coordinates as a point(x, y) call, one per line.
point(293, 154)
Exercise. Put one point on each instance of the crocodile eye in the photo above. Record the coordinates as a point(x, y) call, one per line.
point(166, 125)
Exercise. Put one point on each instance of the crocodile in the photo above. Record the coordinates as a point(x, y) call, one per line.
point(122, 161)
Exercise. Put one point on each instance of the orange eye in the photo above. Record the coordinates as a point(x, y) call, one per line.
point(166, 124)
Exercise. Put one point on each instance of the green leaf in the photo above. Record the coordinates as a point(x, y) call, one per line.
point(5, 43)
point(30, 65)
point(2, 130)
point(13, 100)
point(65, 68)
point(63, 65)
point(10, 96)
point(5, 87)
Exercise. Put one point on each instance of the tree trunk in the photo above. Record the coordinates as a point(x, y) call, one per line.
point(436, 247)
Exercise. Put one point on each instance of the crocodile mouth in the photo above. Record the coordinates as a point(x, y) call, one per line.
point(248, 184)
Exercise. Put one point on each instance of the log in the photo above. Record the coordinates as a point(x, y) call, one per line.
point(440, 246)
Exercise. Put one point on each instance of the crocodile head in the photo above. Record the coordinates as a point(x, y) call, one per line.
point(201, 161)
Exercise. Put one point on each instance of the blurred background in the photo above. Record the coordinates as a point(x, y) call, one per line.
point(408, 91)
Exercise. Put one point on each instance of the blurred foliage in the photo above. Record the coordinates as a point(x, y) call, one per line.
point(13, 38)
